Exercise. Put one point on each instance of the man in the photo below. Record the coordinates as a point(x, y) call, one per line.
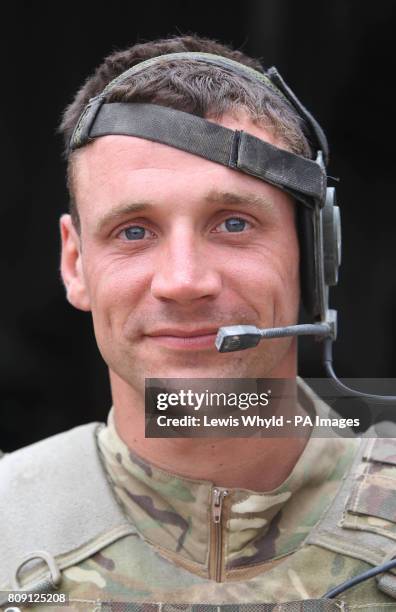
point(164, 247)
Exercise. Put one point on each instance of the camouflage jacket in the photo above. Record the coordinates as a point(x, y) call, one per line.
point(190, 542)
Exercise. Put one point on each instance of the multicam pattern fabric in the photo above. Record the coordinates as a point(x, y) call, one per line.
point(372, 503)
point(130, 570)
point(173, 513)
point(264, 556)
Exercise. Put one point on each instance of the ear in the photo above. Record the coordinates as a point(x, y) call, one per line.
point(71, 265)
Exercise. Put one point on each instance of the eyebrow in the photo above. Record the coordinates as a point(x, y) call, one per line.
point(120, 212)
point(224, 198)
point(229, 198)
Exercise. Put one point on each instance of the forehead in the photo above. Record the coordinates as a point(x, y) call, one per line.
point(112, 169)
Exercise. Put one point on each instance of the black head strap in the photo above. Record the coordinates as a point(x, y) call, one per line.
point(299, 176)
point(304, 179)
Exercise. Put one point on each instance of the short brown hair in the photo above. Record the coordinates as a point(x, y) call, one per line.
point(193, 87)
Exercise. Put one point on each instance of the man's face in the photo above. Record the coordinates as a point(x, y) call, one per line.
point(172, 247)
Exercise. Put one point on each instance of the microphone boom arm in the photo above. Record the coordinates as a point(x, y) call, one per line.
point(241, 337)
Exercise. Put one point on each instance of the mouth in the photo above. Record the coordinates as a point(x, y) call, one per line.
point(179, 339)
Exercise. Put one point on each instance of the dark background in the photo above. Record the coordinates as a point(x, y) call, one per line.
point(337, 55)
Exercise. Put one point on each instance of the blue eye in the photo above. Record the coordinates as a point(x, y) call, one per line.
point(233, 224)
point(134, 232)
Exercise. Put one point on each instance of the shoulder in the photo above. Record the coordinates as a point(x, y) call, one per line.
point(54, 496)
point(43, 463)
point(361, 522)
point(40, 476)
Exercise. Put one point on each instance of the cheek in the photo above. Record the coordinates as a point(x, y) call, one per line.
point(287, 296)
point(274, 265)
point(115, 284)
point(270, 278)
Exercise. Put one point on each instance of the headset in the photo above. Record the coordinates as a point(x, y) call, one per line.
point(318, 218)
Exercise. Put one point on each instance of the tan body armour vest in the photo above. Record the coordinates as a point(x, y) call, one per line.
point(68, 515)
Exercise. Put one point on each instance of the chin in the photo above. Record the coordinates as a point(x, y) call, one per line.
point(237, 368)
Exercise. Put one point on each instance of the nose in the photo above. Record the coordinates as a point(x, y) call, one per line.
point(184, 272)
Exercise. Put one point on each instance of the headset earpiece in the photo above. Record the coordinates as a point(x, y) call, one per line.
point(331, 220)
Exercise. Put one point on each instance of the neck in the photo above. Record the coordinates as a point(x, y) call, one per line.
point(258, 464)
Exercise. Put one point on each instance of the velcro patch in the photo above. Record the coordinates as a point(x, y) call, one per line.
point(371, 506)
point(383, 450)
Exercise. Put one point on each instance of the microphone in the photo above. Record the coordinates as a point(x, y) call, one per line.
point(241, 337)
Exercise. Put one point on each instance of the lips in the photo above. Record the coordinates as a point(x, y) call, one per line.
point(183, 339)
point(183, 333)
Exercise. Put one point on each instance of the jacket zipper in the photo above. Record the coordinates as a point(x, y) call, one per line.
point(218, 496)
